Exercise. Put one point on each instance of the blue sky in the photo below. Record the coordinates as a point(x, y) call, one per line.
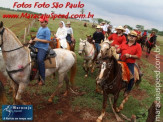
point(119, 12)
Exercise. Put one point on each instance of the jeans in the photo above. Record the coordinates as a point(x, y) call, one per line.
point(68, 38)
point(40, 60)
point(131, 83)
point(97, 47)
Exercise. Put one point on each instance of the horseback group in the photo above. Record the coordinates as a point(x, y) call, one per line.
point(144, 40)
point(115, 54)
point(116, 57)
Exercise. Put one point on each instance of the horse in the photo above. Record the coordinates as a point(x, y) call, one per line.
point(110, 80)
point(142, 41)
point(88, 50)
point(54, 43)
point(150, 44)
point(18, 65)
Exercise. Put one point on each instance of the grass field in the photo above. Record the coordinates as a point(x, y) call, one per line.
point(137, 104)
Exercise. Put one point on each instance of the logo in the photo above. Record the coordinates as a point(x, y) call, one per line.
point(17, 112)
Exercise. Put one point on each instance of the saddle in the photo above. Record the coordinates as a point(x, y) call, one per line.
point(49, 60)
point(126, 74)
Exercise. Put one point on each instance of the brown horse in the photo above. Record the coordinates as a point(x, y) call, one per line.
point(56, 44)
point(110, 80)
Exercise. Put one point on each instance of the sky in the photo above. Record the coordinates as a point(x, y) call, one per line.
point(119, 12)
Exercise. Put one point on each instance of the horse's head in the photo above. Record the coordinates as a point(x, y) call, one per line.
point(105, 50)
point(104, 71)
point(82, 45)
point(1, 33)
point(89, 38)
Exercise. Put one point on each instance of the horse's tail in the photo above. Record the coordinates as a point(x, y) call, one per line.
point(73, 70)
point(3, 99)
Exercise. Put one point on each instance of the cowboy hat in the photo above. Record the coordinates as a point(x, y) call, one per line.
point(133, 33)
point(68, 23)
point(120, 28)
point(98, 27)
point(103, 22)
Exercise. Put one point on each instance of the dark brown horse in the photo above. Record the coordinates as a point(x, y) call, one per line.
point(110, 80)
point(142, 40)
point(150, 44)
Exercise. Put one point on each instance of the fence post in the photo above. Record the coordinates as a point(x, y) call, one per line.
point(25, 34)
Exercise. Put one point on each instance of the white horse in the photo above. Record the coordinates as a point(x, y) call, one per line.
point(18, 64)
point(88, 50)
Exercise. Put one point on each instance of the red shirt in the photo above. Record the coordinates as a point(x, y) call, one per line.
point(117, 40)
point(134, 49)
point(138, 32)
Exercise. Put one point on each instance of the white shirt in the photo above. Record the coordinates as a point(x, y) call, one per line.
point(127, 31)
point(61, 34)
point(69, 30)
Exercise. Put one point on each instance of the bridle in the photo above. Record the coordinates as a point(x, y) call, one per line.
point(1, 33)
point(12, 71)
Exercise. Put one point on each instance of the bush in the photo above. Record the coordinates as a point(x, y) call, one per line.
point(33, 30)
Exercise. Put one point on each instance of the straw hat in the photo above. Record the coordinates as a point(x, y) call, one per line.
point(120, 28)
point(103, 22)
point(133, 33)
point(98, 27)
point(68, 23)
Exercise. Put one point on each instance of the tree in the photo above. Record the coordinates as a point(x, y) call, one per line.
point(140, 27)
point(129, 27)
point(154, 29)
point(82, 11)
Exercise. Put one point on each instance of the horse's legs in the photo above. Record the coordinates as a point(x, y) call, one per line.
point(93, 67)
point(123, 102)
point(61, 78)
point(14, 90)
point(105, 97)
point(115, 101)
point(67, 85)
point(21, 89)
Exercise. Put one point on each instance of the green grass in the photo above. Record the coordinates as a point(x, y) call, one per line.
point(92, 100)
point(160, 40)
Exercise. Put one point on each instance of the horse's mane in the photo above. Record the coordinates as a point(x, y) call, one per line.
point(10, 32)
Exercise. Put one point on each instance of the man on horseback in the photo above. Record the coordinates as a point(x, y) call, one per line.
point(97, 37)
point(42, 43)
point(118, 38)
point(69, 36)
point(130, 51)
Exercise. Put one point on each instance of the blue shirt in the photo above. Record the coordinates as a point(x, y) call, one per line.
point(43, 33)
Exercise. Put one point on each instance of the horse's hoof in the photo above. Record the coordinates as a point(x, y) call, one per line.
point(117, 110)
point(50, 101)
point(121, 107)
point(86, 76)
point(98, 120)
point(65, 94)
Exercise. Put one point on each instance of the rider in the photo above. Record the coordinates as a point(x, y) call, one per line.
point(145, 34)
point(42, 43)
point(118, 38)
point(69, 32)
point(130, 51)
point(127, 31)
point(153, 35)
point(97, 37)
point(61, 35)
